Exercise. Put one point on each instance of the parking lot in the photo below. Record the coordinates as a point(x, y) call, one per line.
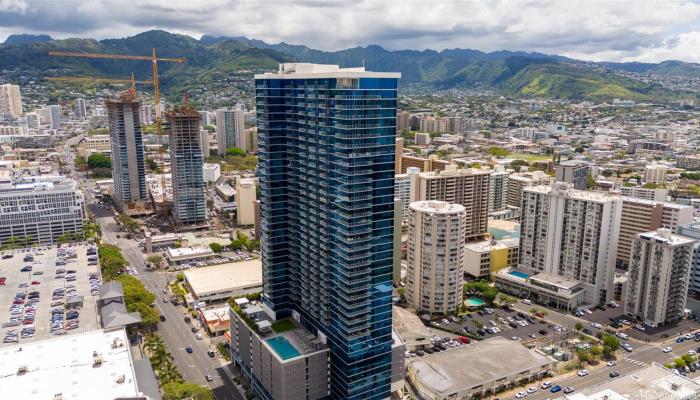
point(41, 289)
point(508, 323)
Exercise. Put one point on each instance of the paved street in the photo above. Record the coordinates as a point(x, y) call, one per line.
point(176, 333)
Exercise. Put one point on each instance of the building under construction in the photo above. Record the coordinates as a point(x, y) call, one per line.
point(127, 153)
point(189, 203)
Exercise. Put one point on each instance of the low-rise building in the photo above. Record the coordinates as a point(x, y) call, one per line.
point(84, 366)
point(544, 288)
point(211, 172)
point(221, 282)
point(217, 320)
point(476, 370)
point(182, 255)
point(90, 145)
point(481, 259)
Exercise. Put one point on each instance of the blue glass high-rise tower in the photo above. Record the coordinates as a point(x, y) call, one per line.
point(326, 148)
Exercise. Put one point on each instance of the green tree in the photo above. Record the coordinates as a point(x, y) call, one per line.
point(130, 224)
point(80, 163)
point(595, 352)
point(533, 311)
point(216, 247)
point(516, 164)
point(578, 326)
point(498, 152)
point(235, 151)
point(152, 165)
point(607, 173)
point(611, 342)
point(582, 356)
point(97, 160)
point(155, 259)
point(590, 182)
point(478, 324)
point(680, 363)
point(506, 299)
point(186, 390)
point(688, 359)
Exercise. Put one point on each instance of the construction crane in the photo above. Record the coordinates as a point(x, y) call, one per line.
point(156, 91)
point(96, 80)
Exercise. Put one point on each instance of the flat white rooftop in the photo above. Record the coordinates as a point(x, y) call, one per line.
point(309, 71)
point(184, 252)
point(225, 277)
point(66, 365)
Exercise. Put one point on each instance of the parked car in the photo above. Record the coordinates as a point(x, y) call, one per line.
point(555, 389)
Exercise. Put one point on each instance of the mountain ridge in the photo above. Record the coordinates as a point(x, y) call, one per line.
point(511, 73)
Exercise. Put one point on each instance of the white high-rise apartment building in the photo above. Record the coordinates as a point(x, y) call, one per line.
point(402, 188)
point(639, 216)
point(518, 181)
point(230, 125)
point(692, 230)
point(33, 121)
point(498, 189)
point(54, 112)
point(435, 256)
point(573, 234)
point(659, 270)
point(80, 109)
point(10, 100)
point(41, 209)
point(468, 187)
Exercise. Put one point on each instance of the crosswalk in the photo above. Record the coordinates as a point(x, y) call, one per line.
point(633, 361)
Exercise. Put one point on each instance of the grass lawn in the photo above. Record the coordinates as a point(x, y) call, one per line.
point(283, 326)
point(529, 157)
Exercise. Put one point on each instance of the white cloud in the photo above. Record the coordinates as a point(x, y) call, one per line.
point(596, 30)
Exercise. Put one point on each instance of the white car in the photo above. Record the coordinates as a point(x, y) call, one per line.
point(199, 336)
point(583, 372)
point(532, 389)
point(520, 395)
point(691, 352)
point(667, 349)
point(612, 363)
point(526, 301)
point(640, 327)
point(596, 325)
point(546, 385)
point(587, 311)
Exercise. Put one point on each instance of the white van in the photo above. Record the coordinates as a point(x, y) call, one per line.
point(622, 335)
point(526, 301)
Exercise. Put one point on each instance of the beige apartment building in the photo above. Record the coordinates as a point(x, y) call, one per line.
point(10, 100)
point(94, 144)
point(435, 256)
point(518, 181)
point(245, 196)
point(639, 216)
point(468, 187)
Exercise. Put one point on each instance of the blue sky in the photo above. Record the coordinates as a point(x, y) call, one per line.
point(590, 30)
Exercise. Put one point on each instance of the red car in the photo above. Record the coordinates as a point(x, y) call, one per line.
point(36, 283)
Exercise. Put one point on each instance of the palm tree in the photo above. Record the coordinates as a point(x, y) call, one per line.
point(533, 311)
point(168, 373)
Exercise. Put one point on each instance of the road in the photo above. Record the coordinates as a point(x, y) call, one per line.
point(627, 363)
point(175, 331)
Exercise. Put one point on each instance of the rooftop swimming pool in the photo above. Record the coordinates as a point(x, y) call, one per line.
point(519, 274)
point(282, 347)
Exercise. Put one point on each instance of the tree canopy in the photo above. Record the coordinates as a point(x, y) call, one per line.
point(235, 151)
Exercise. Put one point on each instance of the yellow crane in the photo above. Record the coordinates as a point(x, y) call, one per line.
point(94, 79)
point(156, 90)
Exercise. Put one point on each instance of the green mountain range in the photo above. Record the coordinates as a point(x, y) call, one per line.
point(517, 74)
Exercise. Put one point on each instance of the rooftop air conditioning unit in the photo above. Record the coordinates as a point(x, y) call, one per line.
point(121, 379)
point(22, 370)
point(58, 396)
point(96, 360)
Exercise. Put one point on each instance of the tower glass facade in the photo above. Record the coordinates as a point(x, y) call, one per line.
point(128, 169)
point(189, 204)
point(326, 168)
